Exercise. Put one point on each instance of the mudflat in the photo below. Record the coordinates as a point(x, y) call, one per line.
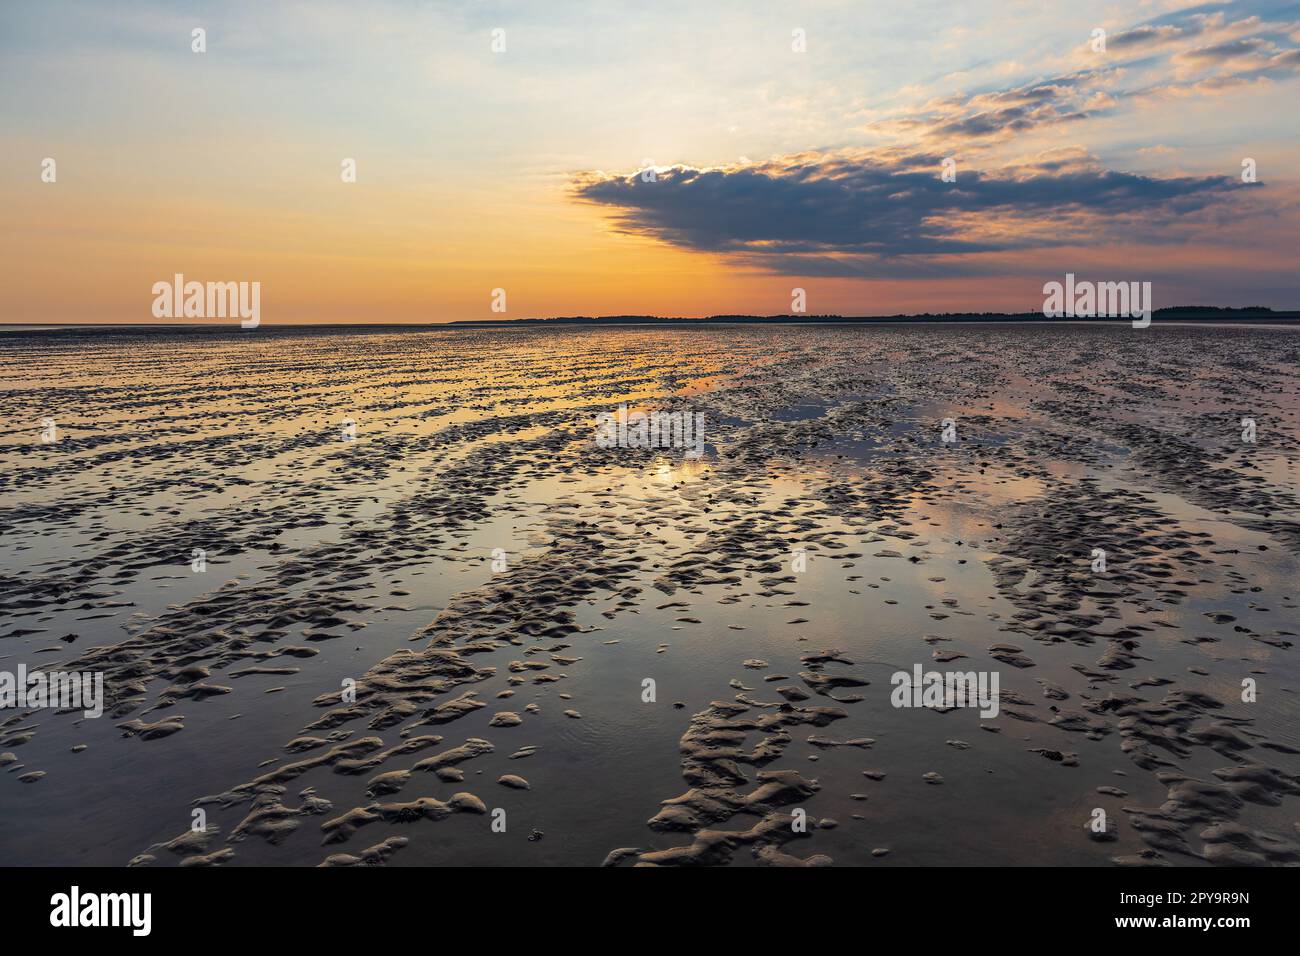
point(380, 596)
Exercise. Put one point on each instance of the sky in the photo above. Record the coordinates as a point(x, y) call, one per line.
point(671, 158)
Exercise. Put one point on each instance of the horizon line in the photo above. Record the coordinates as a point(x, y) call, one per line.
point(1190, 313)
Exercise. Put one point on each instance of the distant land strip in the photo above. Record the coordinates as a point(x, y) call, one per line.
point(1182, 313)
point(1251, 315)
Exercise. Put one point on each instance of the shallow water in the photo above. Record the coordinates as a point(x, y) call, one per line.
point(370, 559)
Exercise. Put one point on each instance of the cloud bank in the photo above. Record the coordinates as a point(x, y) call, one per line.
point(886, 210)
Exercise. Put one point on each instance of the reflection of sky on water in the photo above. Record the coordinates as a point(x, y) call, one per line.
point(225, 428)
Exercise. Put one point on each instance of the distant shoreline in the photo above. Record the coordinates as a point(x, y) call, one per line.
point(1173, 315)
point(1186, 315)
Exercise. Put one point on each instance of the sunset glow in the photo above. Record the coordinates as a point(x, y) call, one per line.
point(520, 169)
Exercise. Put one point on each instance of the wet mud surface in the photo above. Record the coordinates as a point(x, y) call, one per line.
point(470, 635)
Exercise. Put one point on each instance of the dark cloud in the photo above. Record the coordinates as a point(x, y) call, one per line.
point(1147, 36)
point(1016, 119)
point(1002, 114)
point(1228, 50)
point(865, 207)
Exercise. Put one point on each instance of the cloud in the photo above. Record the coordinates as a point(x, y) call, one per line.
point(884, 211)
point(1225, 51)
point(1146, 37)
point(847, 213)
point(1004, 114)
point(1204, 50)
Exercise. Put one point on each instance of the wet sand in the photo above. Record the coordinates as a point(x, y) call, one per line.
point(334, 564)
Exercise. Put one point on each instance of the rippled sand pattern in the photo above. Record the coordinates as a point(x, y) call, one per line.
point(500, 714)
